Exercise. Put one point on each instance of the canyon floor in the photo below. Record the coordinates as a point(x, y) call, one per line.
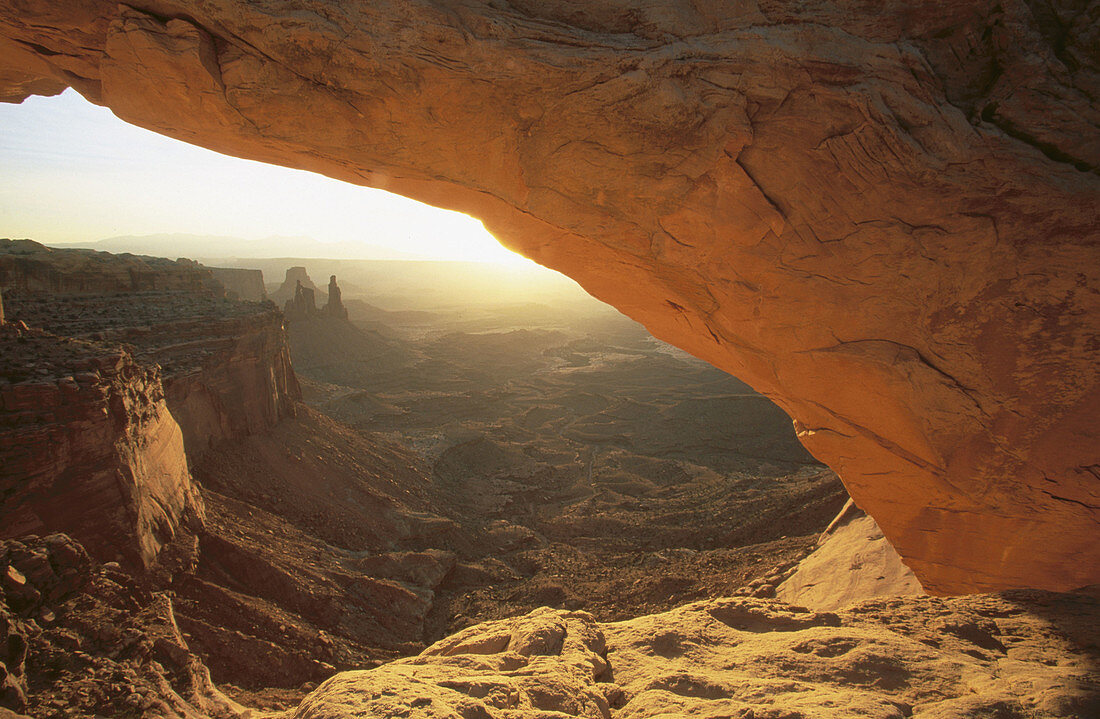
point(531, 454)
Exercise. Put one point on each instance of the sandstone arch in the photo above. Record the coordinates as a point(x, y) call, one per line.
point(882, 215)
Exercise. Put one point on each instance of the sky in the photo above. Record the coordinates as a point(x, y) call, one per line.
point(71, 171)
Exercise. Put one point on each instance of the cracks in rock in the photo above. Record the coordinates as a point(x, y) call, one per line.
point(241, 43)
point(1052, 152)
point(341, 43)
point(803, 431)
point(933, 471)
point(673, 237)
point(992, 221)
point(807, 275)
point(1093, 469)
point(970, 392)
point(1067, 500)
point(39, 49)
point(748, 173)
point(839, 134)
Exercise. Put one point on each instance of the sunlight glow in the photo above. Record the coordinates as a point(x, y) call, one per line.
point(73, 172)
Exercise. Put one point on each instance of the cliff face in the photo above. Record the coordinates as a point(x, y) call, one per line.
point(245, 383)
point(226, 365)
point(88, 446)
point(90, 430)
point(886, 222)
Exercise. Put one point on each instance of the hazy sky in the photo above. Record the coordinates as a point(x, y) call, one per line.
point(71, 171)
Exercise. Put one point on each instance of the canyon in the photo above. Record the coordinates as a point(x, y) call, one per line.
point(284, 545)
point(884, 221)
point(556, 515)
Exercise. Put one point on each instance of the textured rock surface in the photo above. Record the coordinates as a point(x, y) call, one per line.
point(243, 382)
point(885, 219)
point(1006, 656)
point(853, 562)
point(225, 364)
point(95, 439)
point(78, 639)
point(88, 447)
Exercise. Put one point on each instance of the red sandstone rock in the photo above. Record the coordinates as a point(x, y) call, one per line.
point(243, 384)
point(225, 364)
point(885, 221)
point(102, 460)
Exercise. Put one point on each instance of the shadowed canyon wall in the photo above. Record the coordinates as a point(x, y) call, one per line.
point(131, 369)
point(225, 377)
point(90, 448)
point(883, 216)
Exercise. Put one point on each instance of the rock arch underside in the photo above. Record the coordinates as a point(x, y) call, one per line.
point(883, 215)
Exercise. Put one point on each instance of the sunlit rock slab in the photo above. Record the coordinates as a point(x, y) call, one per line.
point(1012, 655)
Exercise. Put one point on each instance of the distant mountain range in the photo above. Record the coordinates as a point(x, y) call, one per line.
point(198, 247)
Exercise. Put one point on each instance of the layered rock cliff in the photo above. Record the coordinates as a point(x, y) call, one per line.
point(245, 284)
point(227, 372)
point(28, 267)
point(88, 447)
point(885, 219)
point(116, 387)
point(225, 364)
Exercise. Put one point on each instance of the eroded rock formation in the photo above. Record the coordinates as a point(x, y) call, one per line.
point(115, 388)
point(225, 365)
point(88, 447)
point(884, 220)
point(335, 305)
point(303, 305)
point(288, 291)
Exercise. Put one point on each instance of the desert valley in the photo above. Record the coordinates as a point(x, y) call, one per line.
point(336, 486)
point(806, 428)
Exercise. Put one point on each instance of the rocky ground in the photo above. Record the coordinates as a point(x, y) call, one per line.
point(601, 468)
point(79, 638)
point(1011, 656)
point(83, 639)
point(459, 476)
